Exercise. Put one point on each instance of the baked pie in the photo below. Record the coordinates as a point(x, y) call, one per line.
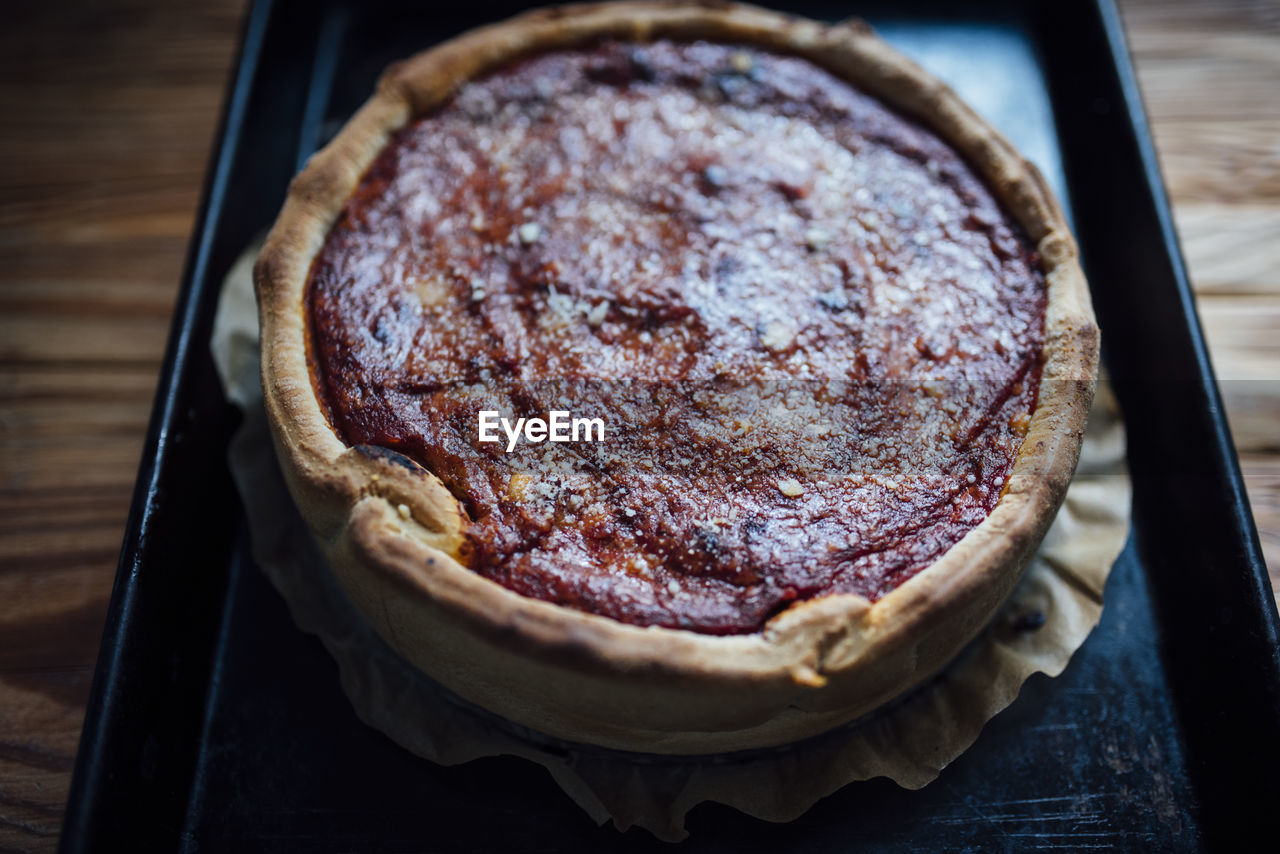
point(674, 378)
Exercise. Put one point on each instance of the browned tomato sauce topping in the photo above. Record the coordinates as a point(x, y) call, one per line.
point(813, 336)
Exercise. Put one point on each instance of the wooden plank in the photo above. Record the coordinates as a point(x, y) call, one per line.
point(1209, 74)
point(1232, 249)
point(1233, 162)
point(109, 112)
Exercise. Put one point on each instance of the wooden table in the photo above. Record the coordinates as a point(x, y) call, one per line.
point(108, 114)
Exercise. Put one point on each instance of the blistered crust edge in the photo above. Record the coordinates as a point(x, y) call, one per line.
point(390, 529)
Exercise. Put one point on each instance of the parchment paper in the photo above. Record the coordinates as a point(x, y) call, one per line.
point(910, 742)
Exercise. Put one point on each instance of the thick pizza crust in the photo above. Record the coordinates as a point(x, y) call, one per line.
point(390, 529)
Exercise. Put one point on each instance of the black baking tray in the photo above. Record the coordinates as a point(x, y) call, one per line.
point(215, 725)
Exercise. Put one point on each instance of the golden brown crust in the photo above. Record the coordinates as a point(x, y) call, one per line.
point(588, 678)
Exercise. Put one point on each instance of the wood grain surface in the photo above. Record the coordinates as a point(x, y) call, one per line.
point(109, 110)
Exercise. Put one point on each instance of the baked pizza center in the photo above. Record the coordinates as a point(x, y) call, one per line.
point(812, 335)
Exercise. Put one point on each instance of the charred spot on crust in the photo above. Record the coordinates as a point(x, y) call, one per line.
point(377, 452)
